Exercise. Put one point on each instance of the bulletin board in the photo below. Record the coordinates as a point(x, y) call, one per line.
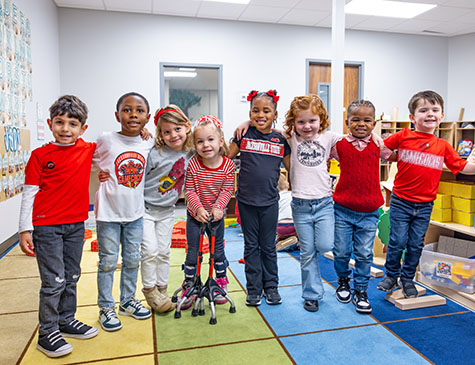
point(15, 64)
point(14, 154)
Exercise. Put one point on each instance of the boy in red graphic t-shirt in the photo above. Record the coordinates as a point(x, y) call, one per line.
point(421, 156)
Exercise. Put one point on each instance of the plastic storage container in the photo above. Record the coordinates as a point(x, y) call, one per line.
point(449, 270)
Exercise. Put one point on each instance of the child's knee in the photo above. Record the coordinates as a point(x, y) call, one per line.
point(107, 264)
point(131, 261)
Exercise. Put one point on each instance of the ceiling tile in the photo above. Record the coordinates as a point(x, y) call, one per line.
point(450, 28)
point(326, 22)
point(460, 3)
point(413, 25)
point(304, 17)
point(435, 2)
point(263, 14)
point(442, 13)
point(82, 4)
point(220, 10)
point(142, 6)
point(276, 3)
point(176, 7)
point(469, 17)
point(376, 23)
point(321, 5)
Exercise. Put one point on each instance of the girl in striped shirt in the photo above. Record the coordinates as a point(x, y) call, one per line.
point(208, 189)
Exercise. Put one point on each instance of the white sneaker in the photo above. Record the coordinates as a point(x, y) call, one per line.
point(134, 308)
point(108, 320)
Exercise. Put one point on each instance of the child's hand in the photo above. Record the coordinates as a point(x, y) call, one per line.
point(378, 141)
point(103, 176)
point(145, 134)
point(241, 129)
point(202, 215)
point(26, 243)
point(217, 214)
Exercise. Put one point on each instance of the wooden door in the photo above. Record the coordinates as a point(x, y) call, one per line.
point(320, 72)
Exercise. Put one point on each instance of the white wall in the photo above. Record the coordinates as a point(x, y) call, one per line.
point(43, 16)
point(104, 54)
point(461, 77)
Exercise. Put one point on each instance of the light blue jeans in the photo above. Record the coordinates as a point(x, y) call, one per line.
point(354, 234)
point(109, 234)
point(314, 221)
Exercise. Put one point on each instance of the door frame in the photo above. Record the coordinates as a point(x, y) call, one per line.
point(193, 65)
point(316, 61)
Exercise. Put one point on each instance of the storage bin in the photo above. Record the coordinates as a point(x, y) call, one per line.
point(462, 204)
point(451, 270)
point(443, 201)
point(441, 215)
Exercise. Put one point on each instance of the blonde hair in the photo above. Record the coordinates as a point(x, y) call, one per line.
point(305, 102)
point(173, 114)
point(224, 149)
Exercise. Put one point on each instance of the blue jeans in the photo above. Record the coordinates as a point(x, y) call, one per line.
point(109, 234)
point(58, 250)
point(193, 233)
point(354, 234)
point(409, 222)
point(314, 221)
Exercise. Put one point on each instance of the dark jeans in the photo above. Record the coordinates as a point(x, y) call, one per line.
point(193, 241)
point(259, 225)
point(58, 251)
point(409, 222)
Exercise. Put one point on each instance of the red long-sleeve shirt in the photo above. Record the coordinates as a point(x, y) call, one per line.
point(208, 188)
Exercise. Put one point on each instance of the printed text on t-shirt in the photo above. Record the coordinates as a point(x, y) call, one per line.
point(262, 147)
point(421, 159)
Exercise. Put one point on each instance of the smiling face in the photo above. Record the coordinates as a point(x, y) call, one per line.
point(65, 129)
point(307, 124)
point(262, 113)
point(361, 121)
point(132, 115)
point(174, 135)
point(427, 116)
point(208, 143)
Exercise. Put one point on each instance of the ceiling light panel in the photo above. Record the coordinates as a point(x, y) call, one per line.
point(387, 8)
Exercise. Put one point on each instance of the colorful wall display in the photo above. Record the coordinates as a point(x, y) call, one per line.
point(15, 64)
point(14, 154)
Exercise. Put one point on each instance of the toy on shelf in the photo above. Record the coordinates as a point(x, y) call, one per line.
point(464, 148)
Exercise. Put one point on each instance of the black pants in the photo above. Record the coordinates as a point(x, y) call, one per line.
point(259, 225)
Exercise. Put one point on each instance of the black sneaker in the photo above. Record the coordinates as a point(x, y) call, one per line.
point(77, 329)
point(311, 305)
point(388, 284)
point(254, 300)
point(408, 288)
point(272, 296)
point(343, 292)
point(53, 345)
point(361, 301)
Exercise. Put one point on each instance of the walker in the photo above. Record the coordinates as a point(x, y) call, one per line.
point(195, 288)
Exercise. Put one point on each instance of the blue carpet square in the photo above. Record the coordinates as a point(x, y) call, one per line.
point(444, 340)
point(291, 318)
point(364, 345)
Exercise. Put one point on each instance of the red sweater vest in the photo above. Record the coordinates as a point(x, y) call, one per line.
point(358, 187)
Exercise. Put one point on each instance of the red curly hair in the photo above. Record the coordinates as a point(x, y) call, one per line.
point(306, 102)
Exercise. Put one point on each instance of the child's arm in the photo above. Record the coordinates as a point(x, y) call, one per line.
point(225, 194)
point(233, 150)
point(26, 219)
point(286, 162)
point(469, 169)
point(241, 129)
point(193, 200)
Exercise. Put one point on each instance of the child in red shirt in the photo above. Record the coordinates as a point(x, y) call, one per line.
point(421, 157)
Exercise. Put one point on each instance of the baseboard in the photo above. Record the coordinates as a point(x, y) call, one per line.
point(8, 243)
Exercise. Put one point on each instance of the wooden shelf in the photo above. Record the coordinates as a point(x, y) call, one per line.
point(455, 227)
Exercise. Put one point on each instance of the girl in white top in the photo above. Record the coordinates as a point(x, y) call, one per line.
point(164, 182)
point(312, 205)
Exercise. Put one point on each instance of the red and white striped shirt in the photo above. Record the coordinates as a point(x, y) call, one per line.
point(209, 188)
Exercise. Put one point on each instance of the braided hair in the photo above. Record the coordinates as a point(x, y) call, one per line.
point(360, 102)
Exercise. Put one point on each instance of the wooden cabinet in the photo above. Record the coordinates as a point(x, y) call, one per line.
point(386, 128)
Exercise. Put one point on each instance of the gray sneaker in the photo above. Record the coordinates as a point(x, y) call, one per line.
point(408, 288)
point(388, 284)
point(272, 296)
point(108, 320)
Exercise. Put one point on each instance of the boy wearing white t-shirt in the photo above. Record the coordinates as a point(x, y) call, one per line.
point(119, 209)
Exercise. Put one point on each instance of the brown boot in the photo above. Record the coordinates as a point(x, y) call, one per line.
point(164, 303)
point(152, 298)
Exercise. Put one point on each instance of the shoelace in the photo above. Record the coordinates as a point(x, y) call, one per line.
point(135, 303)
point(344, 283)
point(363, 297)
point(76, 324)
point(54, 337)
point(110, 314)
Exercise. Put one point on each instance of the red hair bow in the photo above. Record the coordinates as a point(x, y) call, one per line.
point(273, 95)
point(252, 95)
point(209, 119)
point(160, 113)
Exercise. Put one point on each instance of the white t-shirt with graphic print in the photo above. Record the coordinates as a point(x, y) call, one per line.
point(121, 198)
point(308, 165)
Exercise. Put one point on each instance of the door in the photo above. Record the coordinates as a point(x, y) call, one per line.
point(320, 73)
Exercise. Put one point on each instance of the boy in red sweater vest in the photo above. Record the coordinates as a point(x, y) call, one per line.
point(357, 199)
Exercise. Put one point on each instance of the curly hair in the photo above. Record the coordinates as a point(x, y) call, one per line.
point(176, 116)
point(302, 103)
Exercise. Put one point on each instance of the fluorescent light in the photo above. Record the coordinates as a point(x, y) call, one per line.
point(245, 2)
point(186, 69)
point(386, 8)
point(179, 74)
